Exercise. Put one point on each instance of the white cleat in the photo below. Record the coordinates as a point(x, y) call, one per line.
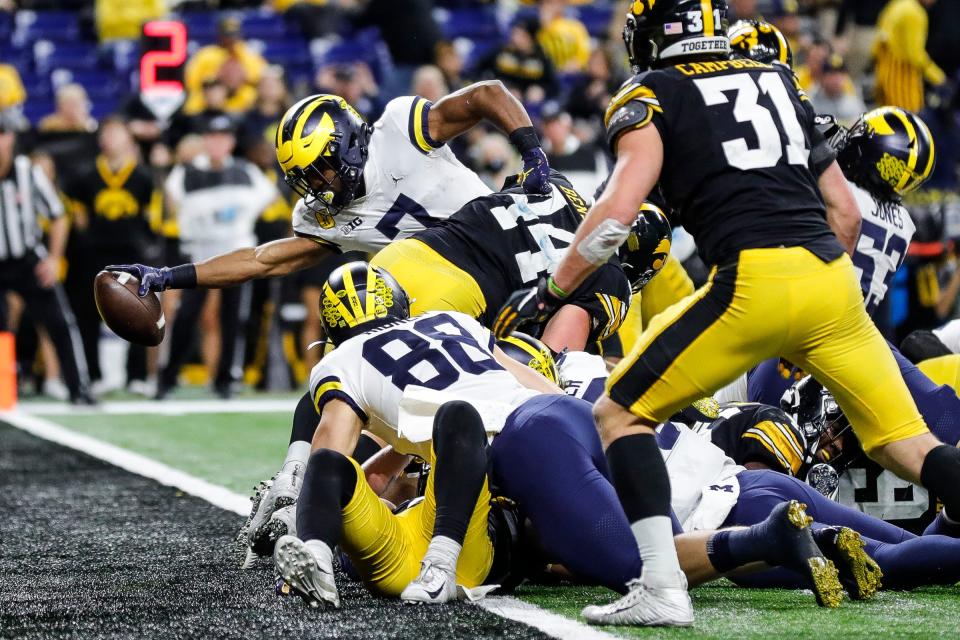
point(283, 522)
point(282, 491)
point(434, 585)
point(646, 606)
point(307, 568)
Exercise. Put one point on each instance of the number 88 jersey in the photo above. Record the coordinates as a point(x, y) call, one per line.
point(736, 140)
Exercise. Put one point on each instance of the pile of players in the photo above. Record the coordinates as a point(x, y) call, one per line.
point(440, 453)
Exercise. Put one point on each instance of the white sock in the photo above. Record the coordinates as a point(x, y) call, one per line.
point(443, 552)
point(297, 455)
point(661, 567)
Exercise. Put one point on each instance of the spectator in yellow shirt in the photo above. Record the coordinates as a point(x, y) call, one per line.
point(231, 62)
point(122, 19)
point(12, 93)
point(565, 40)
point(900, 52)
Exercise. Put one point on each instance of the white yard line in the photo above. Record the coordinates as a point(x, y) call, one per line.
point(550, 623)
point(165, 408)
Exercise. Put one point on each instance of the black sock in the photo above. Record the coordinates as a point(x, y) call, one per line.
point(940, 474)
point(640, 476)
point(305, 420)
point(460, 467)
point(328, 486)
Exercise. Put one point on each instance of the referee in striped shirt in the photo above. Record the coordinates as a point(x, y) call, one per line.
point(29, 268)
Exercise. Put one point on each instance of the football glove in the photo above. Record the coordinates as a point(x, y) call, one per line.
point(535, 177)
point(524, 306)
point(151, 278)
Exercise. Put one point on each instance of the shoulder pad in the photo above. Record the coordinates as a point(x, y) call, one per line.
point(632, 107)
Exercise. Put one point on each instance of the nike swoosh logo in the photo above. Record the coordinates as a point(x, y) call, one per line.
point(434, 594)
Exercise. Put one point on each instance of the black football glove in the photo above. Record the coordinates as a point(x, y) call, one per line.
point(151, 278)
point(525, 306)
point(535, 177)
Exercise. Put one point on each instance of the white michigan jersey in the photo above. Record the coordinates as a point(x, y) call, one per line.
point(703, 480)
point(395, 377)
point(885, 234)
point(582, 375)
point(409, 185)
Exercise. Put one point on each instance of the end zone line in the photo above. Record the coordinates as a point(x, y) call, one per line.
point(167, 407)
point(508, 607)
point(129, 461)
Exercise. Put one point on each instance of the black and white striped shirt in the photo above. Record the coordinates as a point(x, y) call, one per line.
point(25, 193)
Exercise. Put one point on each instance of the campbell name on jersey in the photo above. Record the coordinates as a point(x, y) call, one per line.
point(396, 376)
point(886, 230)
point(737, 136)
point(508, 240)
point(409, 184)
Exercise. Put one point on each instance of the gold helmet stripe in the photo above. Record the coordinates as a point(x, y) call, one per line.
point(783, 45)
point(706, 8)
point(338, 303)
point(370, 301)
point(912, 159)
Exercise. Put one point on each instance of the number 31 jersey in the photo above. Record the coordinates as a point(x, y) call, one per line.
point(395, 377)
point(885, 233)
point(736, 139)
point(410, 182)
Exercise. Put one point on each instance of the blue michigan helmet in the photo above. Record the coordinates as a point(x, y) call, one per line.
point(670, 30)
point(357, 297)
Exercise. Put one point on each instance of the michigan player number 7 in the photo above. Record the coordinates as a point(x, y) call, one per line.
point(746, 108)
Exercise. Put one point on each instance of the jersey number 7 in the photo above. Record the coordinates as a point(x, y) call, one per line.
point(747, 108)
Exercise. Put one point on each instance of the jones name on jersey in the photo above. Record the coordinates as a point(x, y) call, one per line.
point(409, 184)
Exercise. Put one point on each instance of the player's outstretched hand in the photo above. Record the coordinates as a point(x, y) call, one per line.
point(151, 278)
point(535, 177)
point(525, 306)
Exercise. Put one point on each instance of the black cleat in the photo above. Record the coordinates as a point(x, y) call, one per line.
point(859, 573)
point(797, 551)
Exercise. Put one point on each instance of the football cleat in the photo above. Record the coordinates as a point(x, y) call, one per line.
point(282, 492)
point(859, 573)
point(242, 542)
point(799, 552)
point(646, 606)
point(283, 522)
point(306, 568)
point(434, 585)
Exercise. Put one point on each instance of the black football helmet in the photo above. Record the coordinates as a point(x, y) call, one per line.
point(829, 436)
point(889, 152)
point(322, 146)
point(664, 30)
point(356, 297)
point(532, 353)
point(759, 41)
point(645, 250)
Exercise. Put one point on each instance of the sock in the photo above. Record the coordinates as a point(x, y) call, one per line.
point(297, 455)
point(460, 467)
point(328, 486)
point(365, 449)
point(443, 552)
point(940, 474)
point(305, 420)
point(732, 548)
point(640, 477)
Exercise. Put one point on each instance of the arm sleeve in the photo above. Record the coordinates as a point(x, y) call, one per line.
point(45, 195)
point(407, 117)
point(634, 106)
point(328, 382)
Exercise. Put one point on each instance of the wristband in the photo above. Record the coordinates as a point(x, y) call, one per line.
point(555, 289)
point(181, 277)
point(524, 139)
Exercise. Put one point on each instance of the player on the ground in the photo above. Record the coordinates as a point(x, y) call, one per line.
point(364, 186)
point(729, 141)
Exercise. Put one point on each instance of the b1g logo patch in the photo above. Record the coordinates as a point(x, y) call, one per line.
point(325, 220)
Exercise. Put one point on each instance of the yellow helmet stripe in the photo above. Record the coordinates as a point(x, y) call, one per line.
point(706, 7)
point(352, 297)
point(912, 160)
point(931, 154)
point(370, 302)
point(348, 317)
point(783, 45)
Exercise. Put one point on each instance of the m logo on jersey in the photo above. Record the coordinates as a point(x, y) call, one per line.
point(325, 220)
point(616, 312)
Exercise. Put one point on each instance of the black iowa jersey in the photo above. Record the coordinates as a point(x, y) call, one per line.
point(508, 241)
point(737, 136)
point(115, 204)
point(753, 432)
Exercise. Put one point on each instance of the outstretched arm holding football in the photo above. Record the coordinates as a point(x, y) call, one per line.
point(491, 101)
point(272, 259)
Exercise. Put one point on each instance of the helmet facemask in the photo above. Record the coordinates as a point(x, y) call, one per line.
point(338, 170)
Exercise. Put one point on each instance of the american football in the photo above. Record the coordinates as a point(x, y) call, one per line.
point(574, 319)
point(137, 319)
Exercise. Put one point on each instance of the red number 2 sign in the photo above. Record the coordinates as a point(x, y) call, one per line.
point(172, 57)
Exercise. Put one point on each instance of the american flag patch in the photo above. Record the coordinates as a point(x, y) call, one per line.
point(673, 28)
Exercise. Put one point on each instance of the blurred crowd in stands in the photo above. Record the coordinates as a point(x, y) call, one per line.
point(70, 67)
